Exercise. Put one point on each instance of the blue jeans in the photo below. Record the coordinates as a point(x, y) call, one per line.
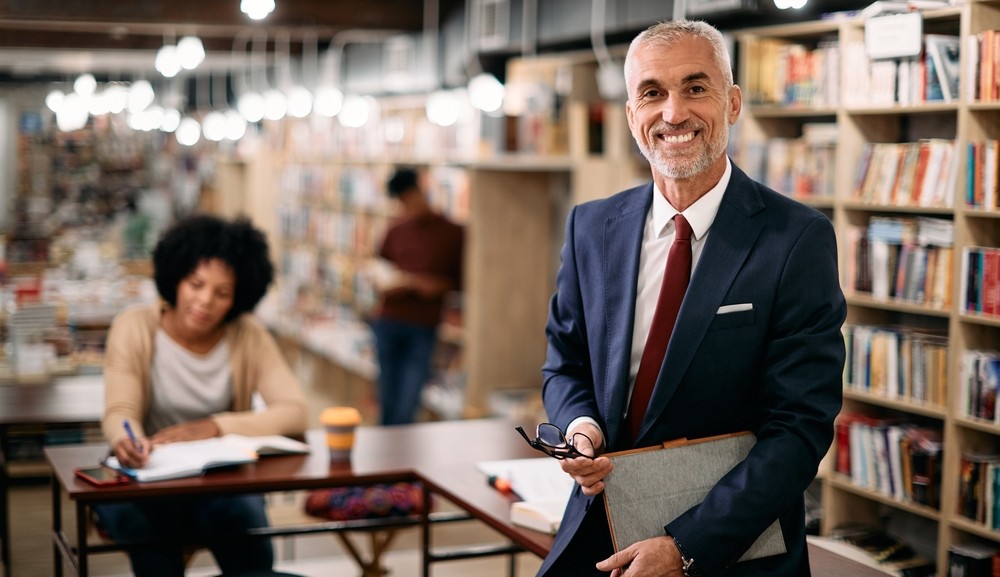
point(404, 361)
point(192, 520)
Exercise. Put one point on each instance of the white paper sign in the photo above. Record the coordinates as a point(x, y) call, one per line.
point(897, 36)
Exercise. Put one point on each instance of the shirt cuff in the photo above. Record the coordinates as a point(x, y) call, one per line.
point(599, 443)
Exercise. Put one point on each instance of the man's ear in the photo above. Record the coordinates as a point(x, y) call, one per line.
point(735, 103)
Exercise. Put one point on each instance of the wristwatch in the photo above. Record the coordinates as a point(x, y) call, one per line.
point(688, 567)
point(687, 562)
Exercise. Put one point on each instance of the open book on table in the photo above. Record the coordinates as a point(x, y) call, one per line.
point(193, 458)
point(542, 486)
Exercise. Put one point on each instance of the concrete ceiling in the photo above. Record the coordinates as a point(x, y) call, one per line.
point(40, 37)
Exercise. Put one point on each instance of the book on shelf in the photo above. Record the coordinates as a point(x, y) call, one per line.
point(979, 385)
point(650, 487)
point(980, 280)
point(982, 167)
point(943, 51)
point(895, 458)
point(883, 7)
point(973, 560)
point(194, 458)
point(977, 487)
point(540, 484)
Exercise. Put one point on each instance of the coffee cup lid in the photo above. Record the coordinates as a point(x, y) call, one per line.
point(341, 415)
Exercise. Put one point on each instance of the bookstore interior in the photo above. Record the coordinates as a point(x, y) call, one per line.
point(885, 116)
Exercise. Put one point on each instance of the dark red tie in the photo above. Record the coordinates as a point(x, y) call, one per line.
point(675, 282)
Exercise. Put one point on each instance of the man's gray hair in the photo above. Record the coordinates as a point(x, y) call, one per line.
point(664, 34)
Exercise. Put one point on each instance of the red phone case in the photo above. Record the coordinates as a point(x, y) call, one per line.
point(117, 479)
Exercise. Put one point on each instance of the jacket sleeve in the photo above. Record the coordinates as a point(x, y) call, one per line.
point(568, 388)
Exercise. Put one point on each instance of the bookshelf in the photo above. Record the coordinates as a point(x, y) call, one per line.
point(873, 122)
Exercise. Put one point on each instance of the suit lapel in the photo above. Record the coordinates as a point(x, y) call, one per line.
point(732, 234)
point(622, 244)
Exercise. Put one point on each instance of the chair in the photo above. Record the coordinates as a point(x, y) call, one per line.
point(388, 506)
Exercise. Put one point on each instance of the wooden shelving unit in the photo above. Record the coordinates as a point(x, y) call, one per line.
point(858, 124)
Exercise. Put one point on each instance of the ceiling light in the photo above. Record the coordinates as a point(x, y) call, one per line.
point(72, 114)
point(54, 100)
point(99, 104)
point(140, 95)
point(251, 106)
point(236, 126)
point(328, 101)
point(300, 102)
point(117, 97)
point(442, 108)
point(167, 61)
point(486, 92)
point(171, 120)
point(257, 9)
point(214, 126)
point(355, 111)
point(85, 84)
point(190, 52)
point(188, 132)
point(275, 104)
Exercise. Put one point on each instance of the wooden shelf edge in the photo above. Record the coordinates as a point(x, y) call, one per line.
point(927, 410)
point(844, 483)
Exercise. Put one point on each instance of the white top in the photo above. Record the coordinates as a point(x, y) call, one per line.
point(185, 385)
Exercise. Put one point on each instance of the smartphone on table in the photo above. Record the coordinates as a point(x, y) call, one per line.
point(102, 476)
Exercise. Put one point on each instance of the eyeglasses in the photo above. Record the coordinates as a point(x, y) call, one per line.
point(550, 440)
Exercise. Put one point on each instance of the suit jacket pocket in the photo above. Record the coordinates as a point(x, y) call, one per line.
point(732, 320)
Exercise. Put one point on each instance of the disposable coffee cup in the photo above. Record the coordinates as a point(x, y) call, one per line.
point(340, 424)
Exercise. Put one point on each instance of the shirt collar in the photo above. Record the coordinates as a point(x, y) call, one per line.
point(699, 215)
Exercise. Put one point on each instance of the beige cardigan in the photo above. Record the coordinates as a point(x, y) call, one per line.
point(257, 366)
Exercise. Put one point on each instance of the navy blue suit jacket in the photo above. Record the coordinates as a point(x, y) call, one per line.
point(775, 369)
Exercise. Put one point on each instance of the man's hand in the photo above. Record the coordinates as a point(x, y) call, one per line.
point(656, 557)
point(189, 431)
point(588, 473)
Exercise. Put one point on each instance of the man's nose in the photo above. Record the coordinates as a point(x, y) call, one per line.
point(673, 110)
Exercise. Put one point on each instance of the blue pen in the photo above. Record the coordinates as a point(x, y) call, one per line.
point(131, 435)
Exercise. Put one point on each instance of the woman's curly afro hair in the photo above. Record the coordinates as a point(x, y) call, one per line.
point(200, 238)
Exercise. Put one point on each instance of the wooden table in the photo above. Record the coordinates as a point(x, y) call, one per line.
point(381, 455)
point(441, 455)
point(67, 400)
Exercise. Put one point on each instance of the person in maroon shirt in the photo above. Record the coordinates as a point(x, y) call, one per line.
point(426, 249)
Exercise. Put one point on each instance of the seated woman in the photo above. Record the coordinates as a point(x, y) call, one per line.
point(188, 369)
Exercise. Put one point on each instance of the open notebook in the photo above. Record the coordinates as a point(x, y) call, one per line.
point(193, 458)
point(541, 484)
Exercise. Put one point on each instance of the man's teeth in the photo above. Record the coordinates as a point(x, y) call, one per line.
point(680, 138)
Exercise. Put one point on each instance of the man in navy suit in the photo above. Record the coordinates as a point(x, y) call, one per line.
point(756, 344)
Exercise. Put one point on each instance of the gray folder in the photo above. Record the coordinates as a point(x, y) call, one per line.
point(648, 488)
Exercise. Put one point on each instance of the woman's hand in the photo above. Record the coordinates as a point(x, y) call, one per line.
point(189, 431)
point(132, 456)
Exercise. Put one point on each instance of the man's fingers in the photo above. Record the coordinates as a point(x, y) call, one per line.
point(617, 561)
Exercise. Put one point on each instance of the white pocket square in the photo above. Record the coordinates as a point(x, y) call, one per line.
point(724, 309)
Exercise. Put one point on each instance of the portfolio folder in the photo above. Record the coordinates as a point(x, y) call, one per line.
point(652, 486)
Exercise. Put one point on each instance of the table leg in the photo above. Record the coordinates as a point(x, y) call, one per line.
point(57, 552)
point(81, 539)
point(425, 532)
point(4, 503)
